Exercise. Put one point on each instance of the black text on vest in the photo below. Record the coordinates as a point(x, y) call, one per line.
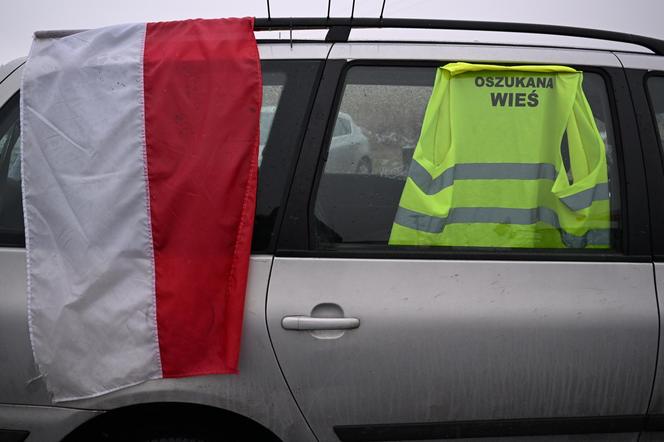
point(514, 99)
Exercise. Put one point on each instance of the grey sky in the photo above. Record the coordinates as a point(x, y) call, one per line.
point(18, 21)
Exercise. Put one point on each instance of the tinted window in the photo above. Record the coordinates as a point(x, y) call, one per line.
point(273, 86)
point(656, 89)
point(387, 106)
point(287, 88)
point(287, 95)
point(11, 212)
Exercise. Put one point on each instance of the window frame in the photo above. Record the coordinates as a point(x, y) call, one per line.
point(299, 92)
point(653, 151)
point(631, 241)
point(651, 105)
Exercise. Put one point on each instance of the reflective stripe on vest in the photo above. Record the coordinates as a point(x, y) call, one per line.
point(503, 171)
point(488, 163)
point(498, 215)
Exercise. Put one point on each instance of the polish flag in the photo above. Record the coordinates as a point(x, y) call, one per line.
point(140, 147)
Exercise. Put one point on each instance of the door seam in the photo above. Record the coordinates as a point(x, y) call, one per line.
point(269, 279)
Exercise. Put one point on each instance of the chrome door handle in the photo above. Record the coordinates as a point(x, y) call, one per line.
point(311, 323)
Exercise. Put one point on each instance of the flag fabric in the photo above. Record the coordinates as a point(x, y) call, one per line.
point(140, 152)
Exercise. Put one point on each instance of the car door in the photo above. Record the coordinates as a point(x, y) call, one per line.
point(645, 74)
point(290, 74)
point(407, 343)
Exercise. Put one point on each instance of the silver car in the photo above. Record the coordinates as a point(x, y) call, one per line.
point(349, 149)
point(347, 338)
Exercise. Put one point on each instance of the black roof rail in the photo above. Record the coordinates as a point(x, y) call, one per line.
point(339, 28)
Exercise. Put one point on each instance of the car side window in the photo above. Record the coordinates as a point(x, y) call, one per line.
point(287, 89)
point(656, 90)
point(273, 86)
point(11, 207)
point(363, 178)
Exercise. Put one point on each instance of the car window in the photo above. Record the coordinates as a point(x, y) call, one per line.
point(11, 213)
point(273, 86)
point(358, 205)
point(287, 89)
point(267, 116)
point(656, 90)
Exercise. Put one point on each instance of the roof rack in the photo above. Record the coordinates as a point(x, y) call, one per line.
point(339, 28)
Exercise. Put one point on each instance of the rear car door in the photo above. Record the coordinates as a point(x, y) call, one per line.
point(645, 74)
point(411, 343)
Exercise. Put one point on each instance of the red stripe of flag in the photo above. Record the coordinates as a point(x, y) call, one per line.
point(202, 85)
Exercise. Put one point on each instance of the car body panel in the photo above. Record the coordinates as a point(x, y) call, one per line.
point(9, 67)
point(488, 38)
point(641, 61)
point(44, 423)
point(657, 404)
point(470, 52)
point(19, 383)
point(258, 391)
point(466, 340)
point(11, 84)
point(295, 51)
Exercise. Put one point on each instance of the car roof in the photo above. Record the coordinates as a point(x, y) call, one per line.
point(453, 36)
point(9, 67)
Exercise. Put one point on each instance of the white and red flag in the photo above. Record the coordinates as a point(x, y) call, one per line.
point(140, 147)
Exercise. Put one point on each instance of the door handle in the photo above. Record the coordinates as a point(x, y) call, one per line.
point(311, 323)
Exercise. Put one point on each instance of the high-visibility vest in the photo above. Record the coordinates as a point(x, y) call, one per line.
point(488, 170)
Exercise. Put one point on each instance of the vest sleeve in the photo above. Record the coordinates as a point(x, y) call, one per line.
point(435, 139)
point(587, 158)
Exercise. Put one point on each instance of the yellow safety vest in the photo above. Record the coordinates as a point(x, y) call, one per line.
point(488, 170)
